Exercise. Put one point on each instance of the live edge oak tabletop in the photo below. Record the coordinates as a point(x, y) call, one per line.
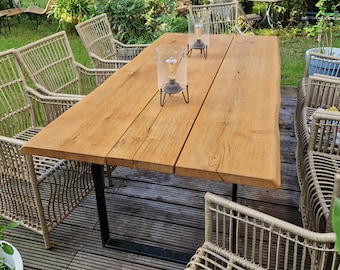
point(227, 132)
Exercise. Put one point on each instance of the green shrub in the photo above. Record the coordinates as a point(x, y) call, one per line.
point(140, 21)
point(70, 12)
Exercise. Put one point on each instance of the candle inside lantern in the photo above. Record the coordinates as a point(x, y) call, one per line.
point(171, 61)
point(199, 30)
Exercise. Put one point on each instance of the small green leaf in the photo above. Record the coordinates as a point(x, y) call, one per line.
point(336, 222)
point(7, 248)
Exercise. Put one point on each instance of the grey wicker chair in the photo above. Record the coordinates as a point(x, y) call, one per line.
point(51, 66)
point(39, 191)
point(321, 163)
point(225, 18)
point(104, 50)
point(260, 241)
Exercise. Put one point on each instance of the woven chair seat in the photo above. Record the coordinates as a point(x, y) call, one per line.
point(28, 133)
point(44, 166)
point(238, 237)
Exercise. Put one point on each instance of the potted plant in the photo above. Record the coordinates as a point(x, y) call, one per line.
point(323, 29)
point(10, 258)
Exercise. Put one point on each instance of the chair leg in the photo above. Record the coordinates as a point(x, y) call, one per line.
point(3, 21)
point(109, 170)
point(47, 241)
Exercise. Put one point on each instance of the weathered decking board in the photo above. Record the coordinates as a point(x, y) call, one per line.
point(158, 209)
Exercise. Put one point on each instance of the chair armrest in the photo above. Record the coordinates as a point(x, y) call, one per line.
point(122, 45)
point(129, 51)
point(325, 132)
point(91, 78)
point(48, 108)
point(107, 63)
point(45, 92)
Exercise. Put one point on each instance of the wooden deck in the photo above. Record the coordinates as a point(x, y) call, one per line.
point(158, 209)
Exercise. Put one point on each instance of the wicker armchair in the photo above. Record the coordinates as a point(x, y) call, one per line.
point(322, 92)
point(225, 18)
point(50, 65)
point(261, 241)
point(321, 163)
point(39, 191)
point(104, 50)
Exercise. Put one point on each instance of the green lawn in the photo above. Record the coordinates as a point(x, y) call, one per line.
point(292, 47)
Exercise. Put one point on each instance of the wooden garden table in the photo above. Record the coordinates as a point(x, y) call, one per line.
point(227, 132)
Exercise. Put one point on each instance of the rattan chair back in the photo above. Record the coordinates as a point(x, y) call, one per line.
point(50, 64)
point(104, 50)
point(225, 18)
point(15, 110)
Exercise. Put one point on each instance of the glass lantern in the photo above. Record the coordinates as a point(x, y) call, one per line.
point(172, 71)
point(198, 34)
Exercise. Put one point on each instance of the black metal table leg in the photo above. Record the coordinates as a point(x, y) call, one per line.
point(234, 193)
point(98, 177)
point(124, 245)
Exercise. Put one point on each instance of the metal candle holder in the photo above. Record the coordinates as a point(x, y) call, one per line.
point(198, 34)
point(172, 71)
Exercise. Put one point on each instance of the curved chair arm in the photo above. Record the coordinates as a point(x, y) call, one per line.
point(123, 45)
point(128, 51)
point(318, 190)
point(107, 63)
point(238, 237)
point(91, 78)
point(48, 108)
point(325, 132)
